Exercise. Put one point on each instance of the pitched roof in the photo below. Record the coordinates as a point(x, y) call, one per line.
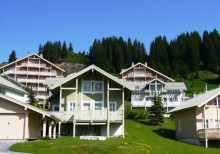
point(175, 86)
point(30, 56)
point(51, 81)
point(198, 101)
point(29, 106)
point(124, 70)
point(91, 67)
point(8, 82)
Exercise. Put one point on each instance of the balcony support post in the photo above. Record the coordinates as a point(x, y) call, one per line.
point(60, 98)
point(206, 140)
point(123, 104)
point(108, 124)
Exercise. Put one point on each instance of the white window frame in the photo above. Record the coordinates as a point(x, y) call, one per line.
point(86, 102)
point(69, 106)
point(53, 108)
point(94, 86)
point(115, 106)
point(99, 102)
point(207, 123)
point(89, 83)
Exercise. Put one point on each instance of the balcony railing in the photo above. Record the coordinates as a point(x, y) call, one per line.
point(33, 65)
point(211, 133)
point(92, 115)
point(30, 73)
point(30, 80)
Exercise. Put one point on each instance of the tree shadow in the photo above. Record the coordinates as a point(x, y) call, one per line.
point(166, 133)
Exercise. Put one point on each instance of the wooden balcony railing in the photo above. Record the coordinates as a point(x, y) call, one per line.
point(92, 115)
point(211, 133)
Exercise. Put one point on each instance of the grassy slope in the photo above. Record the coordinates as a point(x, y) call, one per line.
point(139, 136)
point(198, 85)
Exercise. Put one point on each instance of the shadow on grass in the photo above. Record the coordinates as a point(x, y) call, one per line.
point(166, 133)
point(211, 81)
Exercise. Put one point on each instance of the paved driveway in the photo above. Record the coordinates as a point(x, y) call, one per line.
point(5, 144)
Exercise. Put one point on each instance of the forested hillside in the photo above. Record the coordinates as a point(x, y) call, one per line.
point(187, 53)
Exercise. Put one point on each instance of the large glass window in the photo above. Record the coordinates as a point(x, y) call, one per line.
point(97, 86)
point(72, 106)
point(112, 106)
point(98, 105)
point(87, 86)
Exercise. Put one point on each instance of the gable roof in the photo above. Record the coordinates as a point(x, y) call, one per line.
point(29, 106)
point(91, 67)
point(10, 83)
point(30, 56)
point(124, 70)
point(198, 101)
point(175, 86)
point(51, 81)
point(155, 80)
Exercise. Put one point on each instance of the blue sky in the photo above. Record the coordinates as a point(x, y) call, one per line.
point(24, 24)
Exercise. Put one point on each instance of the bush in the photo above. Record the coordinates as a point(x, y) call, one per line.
point(135, 113)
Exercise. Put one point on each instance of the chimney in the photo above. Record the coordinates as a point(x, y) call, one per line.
point(132, 64)
point(41, 55)
point(145, 63)
point(206, 89)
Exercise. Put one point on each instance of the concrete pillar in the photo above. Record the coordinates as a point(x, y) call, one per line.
point(54, 130)
point(50, 128)
point(59, 128)
point(26, 126)
point(44, 128)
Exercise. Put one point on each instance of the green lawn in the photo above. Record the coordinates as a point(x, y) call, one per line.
point(198, 85)
point(140, 138)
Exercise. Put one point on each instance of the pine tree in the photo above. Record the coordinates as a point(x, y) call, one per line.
point(70, 49)
point(31, 96)
point(64, 51)
point(12, 57)
point(156, 111)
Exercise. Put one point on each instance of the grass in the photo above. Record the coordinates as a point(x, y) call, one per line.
point(140, 138)
point(198, 85)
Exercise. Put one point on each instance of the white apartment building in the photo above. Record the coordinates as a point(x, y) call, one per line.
point(146, 82)
point(32, 72)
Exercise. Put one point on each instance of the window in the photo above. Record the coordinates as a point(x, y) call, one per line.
point(112, 106)
point(72, 106)
point(175, 99)
point(171, 99)
point(87, 86)
point(98, 105)
point(56, 108)
point(87, 106)
point(165, 99)
point(215, 102)
point(216, 123)
point(206, 125)
point(97, 86)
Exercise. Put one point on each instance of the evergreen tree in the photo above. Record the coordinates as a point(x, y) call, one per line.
point(64, 51)
point(31, 96)
point(156, 111)
point(12, 57)
point(70, 49)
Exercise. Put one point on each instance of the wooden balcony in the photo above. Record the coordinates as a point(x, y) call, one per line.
point(211, 133)
point(91, 115)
